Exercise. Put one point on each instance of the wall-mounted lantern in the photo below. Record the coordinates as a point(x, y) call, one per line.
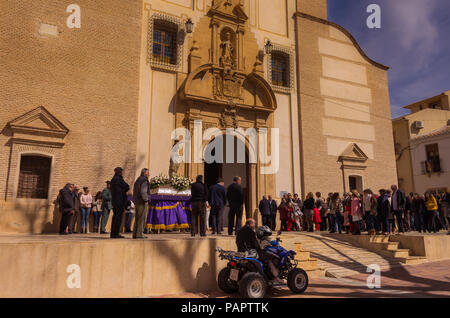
point(269, 47)
point(189, 26)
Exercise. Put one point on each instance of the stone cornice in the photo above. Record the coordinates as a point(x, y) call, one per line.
point(350, 36)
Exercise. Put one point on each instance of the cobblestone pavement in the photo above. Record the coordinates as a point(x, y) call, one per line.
point(425, 280)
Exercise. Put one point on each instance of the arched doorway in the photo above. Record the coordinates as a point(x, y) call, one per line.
point(227, 169)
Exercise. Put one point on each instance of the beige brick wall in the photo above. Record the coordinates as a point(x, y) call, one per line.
point(87, 78)
point(317, 8)
point(321, 171)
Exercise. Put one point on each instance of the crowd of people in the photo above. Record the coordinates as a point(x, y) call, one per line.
point(389, 211)
point(76, 207)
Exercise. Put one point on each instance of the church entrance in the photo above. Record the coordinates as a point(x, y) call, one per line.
point(228, 170)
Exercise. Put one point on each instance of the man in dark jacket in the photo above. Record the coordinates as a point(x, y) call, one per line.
point(235, 197)
point(65, 203)
point(273, 213)
point(141, 196)
point(398, 206)
point(75, 217)
point(264, 209)
point(199, 197)
point(383, 210)
point(106, 207)
point(246, 237)
point(217, 201)
point(119, 189)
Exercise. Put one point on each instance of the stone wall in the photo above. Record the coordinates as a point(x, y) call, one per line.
point(87, 78)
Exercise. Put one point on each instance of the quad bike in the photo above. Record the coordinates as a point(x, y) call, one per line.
point(246, 274)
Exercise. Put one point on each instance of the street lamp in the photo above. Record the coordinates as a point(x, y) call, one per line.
point(269, 47)
point(189, 26)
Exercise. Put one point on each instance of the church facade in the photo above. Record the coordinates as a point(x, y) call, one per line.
point(77, 102)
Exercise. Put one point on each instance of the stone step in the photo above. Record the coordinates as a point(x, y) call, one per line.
point(390, 246)
point(399, 253)
point(302, 256)
point(316, 273)
point(413, 260)
point(310, 264)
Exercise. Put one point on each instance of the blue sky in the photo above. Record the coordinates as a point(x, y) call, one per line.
point(414, 41)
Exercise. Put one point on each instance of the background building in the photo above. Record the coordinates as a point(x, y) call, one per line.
point(430, 154)
point(427, 117)
point(78, 102)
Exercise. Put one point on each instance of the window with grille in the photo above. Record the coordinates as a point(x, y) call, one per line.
point(280, 69)
point(34, 177)
point(165, 42)
point(433, 163)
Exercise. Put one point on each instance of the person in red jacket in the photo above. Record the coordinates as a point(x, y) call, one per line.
point(317, 219)
point(284, 214)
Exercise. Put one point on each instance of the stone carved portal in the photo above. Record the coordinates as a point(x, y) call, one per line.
point(225, 86)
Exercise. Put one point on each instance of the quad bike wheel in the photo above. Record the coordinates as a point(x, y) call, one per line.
point(252, 285)
point(297, 281)
point(225, 283)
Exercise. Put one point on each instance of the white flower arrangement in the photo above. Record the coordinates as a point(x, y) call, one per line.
point(178, 183)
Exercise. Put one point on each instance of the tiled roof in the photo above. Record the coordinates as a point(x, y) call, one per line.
point(438, 132)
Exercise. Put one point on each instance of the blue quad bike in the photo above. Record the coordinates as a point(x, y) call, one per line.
point(251, 278)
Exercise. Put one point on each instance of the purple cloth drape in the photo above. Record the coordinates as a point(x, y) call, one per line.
point(167, 212)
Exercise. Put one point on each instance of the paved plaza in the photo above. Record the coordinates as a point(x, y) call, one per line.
point(425, 280)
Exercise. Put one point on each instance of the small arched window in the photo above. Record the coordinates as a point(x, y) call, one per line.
point(34, 177)
point(280, 69)
point(165, 42)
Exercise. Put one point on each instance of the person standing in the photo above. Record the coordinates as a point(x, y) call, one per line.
point(308, 210)
point(264, 209)
point(119, 189)
point(217, 200)
point(273, 213)
point(235, 197)
point(408, 219)
point(65, 204)
point(284, 214)
point(347, 203)
point(86, 206)
point(336, 209)
point(97, 210)
point(76, 216)
point(199, 197)
point(370, 209)
point(383, 207)
point(141, 197)
point(398, 206)
point(297, 215)
point(446, 208)
point(432, 207)
point(419, 208)
point(106, 207)
point(320, 205)
point(129, 213)
point(356, 212)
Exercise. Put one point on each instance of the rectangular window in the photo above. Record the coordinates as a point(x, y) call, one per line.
point(165, 43)
point(433, 163)
point(34, 177)
point(280, 69)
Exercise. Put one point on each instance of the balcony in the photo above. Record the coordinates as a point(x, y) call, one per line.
point(431, 166)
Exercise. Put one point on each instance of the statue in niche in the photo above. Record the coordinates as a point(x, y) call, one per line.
point(227, 60)
point(174, 166)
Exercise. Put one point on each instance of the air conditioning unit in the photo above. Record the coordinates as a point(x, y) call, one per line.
point(419, 124)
